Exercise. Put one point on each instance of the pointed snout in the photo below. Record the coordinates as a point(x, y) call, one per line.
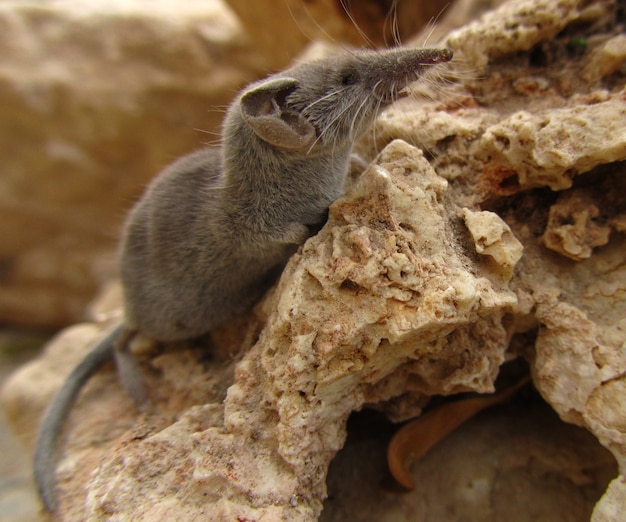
point(434, 56)
point(397, 68)
point(413, 58)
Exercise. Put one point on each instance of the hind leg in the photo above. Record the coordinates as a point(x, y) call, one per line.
point(128, 368)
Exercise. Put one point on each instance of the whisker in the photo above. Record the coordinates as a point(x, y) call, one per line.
point(348, 10)
point(326, 97)
point(357, 115)
point(391, 18)
point(300, 27)
point(377, 113)
point(432, 25)
point(329, 127)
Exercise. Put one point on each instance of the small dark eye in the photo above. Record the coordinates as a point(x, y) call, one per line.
point(349, 78)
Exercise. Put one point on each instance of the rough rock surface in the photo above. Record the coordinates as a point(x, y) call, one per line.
point(414, 288)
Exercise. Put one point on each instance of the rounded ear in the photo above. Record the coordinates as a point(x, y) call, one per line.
point(263, 108)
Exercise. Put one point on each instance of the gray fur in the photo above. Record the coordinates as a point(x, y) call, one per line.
point(59, 408)
point(215, 227)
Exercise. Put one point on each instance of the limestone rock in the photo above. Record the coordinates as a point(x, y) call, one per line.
point(612, 505)
point(565, 141)
point(379, 303)
point(494, 238)
point(573, 229)
point(414, 288)
point(515, 26)
point(606, 59)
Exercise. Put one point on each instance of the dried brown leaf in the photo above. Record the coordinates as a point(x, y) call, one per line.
point(413, 440)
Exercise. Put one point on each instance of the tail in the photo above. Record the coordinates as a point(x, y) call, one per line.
point(57, 411)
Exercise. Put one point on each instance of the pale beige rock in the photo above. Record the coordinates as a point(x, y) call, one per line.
point(607, 59)
point(573, 228)
point(514, 26)
point(356, 314)
point(494, 238)
point(563, 142)
point(118, 422)
point(41, 382)
point(611, 505)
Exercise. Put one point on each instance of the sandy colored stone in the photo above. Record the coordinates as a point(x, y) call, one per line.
point(494, 238)
point(563, 142)
point(515, 26)
point(339, 335)
point(611, 505)
point(393, 303)
point(40, 385)
point(607, 59)
point(572, 228)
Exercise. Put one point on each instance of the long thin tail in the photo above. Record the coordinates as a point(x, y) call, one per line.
point(57, 411)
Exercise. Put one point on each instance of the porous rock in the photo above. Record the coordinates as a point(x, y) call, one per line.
point(380, 303)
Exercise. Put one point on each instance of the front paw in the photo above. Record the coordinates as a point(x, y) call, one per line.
point(295, 234)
